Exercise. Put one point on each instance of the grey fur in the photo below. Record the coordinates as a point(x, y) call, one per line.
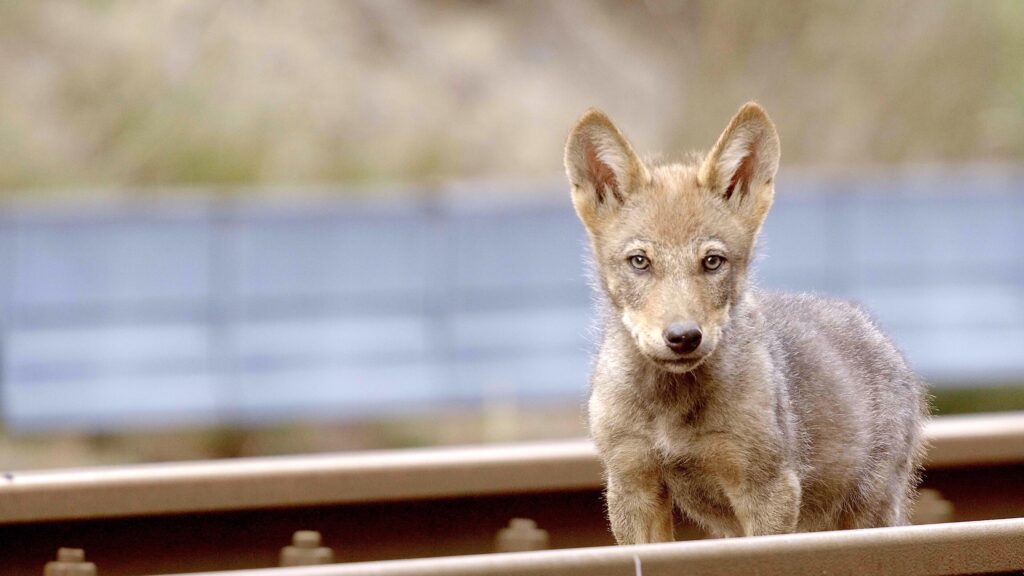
point(827, 398)
point(797, 415)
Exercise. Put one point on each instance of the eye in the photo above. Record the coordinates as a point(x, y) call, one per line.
point(713, 262)
point(639, 262)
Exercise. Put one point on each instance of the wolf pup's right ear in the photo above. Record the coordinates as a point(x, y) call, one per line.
point(742, 165)
point(602, 168)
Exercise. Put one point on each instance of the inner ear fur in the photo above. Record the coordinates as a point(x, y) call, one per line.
point(601, 166)
point(741, 166)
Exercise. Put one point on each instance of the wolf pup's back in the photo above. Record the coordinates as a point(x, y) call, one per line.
point(860, 408)
point(753, 413)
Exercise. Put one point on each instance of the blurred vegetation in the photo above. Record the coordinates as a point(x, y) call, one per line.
point(138, 95)
point(452, 427)
point(123, 94)
point(969, 399)
point(77, 448)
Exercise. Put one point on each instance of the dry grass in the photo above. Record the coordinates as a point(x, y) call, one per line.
point(119, 93)
point(71, 449)
point(494, 424)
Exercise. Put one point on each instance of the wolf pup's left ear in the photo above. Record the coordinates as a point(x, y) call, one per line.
point(742, 165)
point(602, 168)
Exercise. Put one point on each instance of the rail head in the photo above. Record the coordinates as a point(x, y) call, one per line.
point(394, 475)
point(990, 546)
point(976, 440)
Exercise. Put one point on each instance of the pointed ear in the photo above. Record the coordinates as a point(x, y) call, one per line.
point(742, 165)
point(603, 169)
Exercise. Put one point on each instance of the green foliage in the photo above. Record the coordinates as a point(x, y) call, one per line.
point(1004, 398)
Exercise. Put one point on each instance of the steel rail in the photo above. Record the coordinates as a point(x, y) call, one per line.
point(418, 474)
point(990, 546)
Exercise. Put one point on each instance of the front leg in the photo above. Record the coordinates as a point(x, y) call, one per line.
point(639, 506)
point(768, 506)
point(762, 489)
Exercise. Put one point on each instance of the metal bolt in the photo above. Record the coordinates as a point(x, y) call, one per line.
point(70, 562)
point(931, 508)
point(521, 535)
point(306, 550)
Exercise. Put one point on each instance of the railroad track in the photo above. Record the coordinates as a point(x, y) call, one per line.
point(418, 508)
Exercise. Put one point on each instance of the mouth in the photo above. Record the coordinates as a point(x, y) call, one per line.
point(678, 364)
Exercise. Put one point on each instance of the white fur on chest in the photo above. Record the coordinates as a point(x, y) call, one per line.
point(673, 439)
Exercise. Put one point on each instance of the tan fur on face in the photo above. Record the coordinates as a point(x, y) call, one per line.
point(672, 213)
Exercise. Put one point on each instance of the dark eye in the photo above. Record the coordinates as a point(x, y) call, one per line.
point(713, 262)
point(639, 262)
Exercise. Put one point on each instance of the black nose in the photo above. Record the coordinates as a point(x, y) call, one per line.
point(683, 337)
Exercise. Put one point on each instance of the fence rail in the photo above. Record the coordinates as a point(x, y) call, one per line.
point(127, 315)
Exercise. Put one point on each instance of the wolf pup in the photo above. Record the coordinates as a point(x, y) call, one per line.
point(754, 413)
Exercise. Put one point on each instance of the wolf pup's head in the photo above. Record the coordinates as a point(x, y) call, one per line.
point(672, 242)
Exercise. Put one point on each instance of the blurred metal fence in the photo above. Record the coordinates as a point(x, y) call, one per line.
point(165, 312)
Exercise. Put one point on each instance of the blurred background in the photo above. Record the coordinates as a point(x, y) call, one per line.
point(244, 228)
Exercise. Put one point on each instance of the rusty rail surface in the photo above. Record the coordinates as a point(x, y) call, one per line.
point(233, 514)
